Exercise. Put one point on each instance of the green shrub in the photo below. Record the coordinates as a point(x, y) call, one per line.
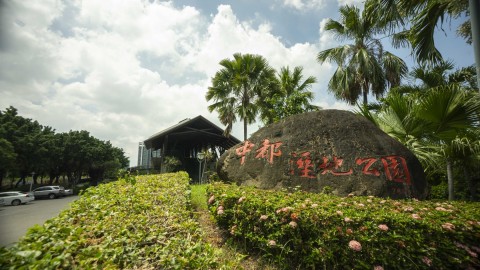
point(319, 231)
point(439, 192)
point(142, 224)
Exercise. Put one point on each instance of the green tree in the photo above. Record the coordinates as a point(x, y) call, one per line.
point(236, 89)
point(291, 96)
point(27, 137)
point(437, 119)
point(363, 66)
point(415, 22)
point(26, 147)
point(7, 159)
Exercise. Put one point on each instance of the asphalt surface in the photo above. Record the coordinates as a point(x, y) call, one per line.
point(15, 220)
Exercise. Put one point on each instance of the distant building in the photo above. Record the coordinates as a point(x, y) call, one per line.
point(144, 156)
point(184, 141)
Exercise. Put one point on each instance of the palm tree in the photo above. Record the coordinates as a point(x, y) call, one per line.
point(363, 66)
point(450, 112)
point(423, 16)
point(236, 88)
point(290, 97)
point(435, 121)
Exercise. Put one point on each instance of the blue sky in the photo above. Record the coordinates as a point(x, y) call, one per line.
point(124, 70)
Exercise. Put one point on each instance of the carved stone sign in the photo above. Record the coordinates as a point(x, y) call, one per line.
point(329, 148)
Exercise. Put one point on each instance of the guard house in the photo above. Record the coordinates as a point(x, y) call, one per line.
point(185, 141)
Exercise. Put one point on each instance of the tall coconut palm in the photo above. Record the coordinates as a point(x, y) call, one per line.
point(236, 88)
point(290, 97)
point(364, 67)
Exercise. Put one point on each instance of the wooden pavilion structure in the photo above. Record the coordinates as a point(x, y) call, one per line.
point(185, 141)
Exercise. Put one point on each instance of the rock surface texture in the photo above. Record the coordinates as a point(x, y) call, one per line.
point(326, 150)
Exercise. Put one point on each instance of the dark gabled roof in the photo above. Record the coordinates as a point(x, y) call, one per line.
point(197, 130)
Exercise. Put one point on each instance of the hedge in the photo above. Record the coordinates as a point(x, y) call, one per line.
point(134, 223)
point(301, 230)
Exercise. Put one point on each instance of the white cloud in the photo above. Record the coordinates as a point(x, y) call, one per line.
point(327, 38)
point(357, 3)
point(129, 69)
point(304, 4)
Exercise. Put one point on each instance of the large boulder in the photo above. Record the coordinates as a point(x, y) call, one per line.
point(326, 150)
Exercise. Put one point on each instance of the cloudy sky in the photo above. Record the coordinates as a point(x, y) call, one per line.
point(124, 70)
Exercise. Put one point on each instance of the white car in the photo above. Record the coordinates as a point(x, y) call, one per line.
point(50, 192)
point(15, 198)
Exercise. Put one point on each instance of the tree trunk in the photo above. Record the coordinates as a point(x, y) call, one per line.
point(365, 98)
point(451, 196)
point(244, 129)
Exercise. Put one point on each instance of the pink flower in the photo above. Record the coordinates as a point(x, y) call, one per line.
point(471, 253)
point(408, 209)
point(220, 207)
point(415, 216)
point(378, 267)
point(383, 201)
point(427, 260)
point(351, 195)
point(383, 227)
point(211, 199)
point(348, 219)
point(263, 217)
point(272, 243)
point(314, 205)
point(340, 213)
point(448, 226)
point(355, 245)
point(293, 224)
point(467, 249)
point(349, 231)
point(233, 229)
point(241, 199)
point(369, 200)
point(220, 212)
point(361, 205)
point(440, 209)
point(397, 203)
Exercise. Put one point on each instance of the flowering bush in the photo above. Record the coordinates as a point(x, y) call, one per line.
point(304, 230)
point(120, 225)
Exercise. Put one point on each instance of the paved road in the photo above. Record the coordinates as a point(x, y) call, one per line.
point(15, 220)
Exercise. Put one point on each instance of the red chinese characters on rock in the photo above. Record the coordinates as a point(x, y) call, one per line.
point(304, 164)
point(395, 168)
point(269, 150)
point(366, 169)
point(243, 150)
point(333, 166)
